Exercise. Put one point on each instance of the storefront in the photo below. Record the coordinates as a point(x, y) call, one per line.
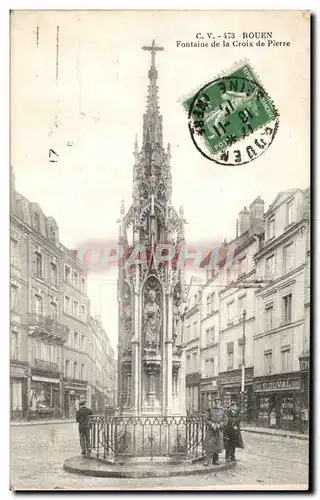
point(208, 391)
point(230, 390)
point(18, 390)
point(45, 390)
point(73, 392)
point(278, 401)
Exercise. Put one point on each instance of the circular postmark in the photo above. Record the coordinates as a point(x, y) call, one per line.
point(232, 120)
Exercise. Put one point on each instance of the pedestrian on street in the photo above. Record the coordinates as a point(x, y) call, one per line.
point(83, 418)
point(213, 443)
point(232, 433)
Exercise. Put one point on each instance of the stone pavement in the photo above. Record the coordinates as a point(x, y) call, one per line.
point(267, 462)
point(275, 432)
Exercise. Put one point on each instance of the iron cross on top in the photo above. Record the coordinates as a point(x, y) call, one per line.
point(153, 48)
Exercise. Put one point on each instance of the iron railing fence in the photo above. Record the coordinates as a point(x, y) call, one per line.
point(116, 437)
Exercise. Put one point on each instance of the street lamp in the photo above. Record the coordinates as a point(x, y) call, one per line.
point(243, 365)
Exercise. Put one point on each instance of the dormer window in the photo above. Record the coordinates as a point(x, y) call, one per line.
point(37, 222)
point(290, 212)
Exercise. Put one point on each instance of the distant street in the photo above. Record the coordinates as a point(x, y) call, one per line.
point(38, 453)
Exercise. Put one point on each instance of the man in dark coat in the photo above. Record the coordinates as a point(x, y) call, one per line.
point(83, 418)
point(213, 443)
point(232, 434)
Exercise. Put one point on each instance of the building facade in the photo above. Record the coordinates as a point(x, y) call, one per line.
point(209, 341)
point(280, 337)
point(102, 369)
point(49, 309)
point(237, 307)
point(191, 344)
point(75, 316)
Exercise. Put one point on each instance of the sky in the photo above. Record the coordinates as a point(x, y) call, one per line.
point(99, 99)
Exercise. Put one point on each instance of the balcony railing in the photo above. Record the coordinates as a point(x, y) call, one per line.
point(48, 325)
point(118, 438)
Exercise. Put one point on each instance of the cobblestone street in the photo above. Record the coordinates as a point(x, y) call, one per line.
point(38, 453)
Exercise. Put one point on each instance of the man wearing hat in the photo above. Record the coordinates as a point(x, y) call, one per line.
point(232, 433)
point(213, 443)
point(83, 418)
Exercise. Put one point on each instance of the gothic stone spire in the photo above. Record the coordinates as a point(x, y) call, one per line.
point(152, 120)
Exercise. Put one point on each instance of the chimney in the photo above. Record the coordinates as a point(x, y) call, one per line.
point(256, 211)
point(244, 221)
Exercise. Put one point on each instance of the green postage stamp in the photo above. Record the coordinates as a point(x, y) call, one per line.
point(232, 120)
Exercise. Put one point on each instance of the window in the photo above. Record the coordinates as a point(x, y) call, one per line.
point(268, 311)
point(52, 234)
point(67, 273)
point(230, 313)
point(211, 369)
point(16, 395)
point(243, 265)
point(37, 349)
point(285, 359)
point(290, 212)
point(14, 251)
point(270, 267)
point(14, 297)
point(83, 313)
point(287, 308)
point(210, 303)
point(82, 342)
point(76, 340)
point(38, 305)
point(37, 222)
point(14, 345)
point(53, 274)
point(195, 329)
point(38, 260)
point(210, 335)
point(83, 374)
point(267, 362)
point(83, 285)
point(241, 305)
point(271, 228)
point(67, 368)
point(75, 309)
point(67, 304)
point(75, 370)
point(207, 368)
point(75, 279)
point(194, 361)
point(229, 355)
point(288, 257)
point(53, 310)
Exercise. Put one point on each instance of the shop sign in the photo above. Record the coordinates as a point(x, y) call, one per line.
point(45, 379)
point(235, 377)
point(19, 371)
point(304, 365)
point(278, 385)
